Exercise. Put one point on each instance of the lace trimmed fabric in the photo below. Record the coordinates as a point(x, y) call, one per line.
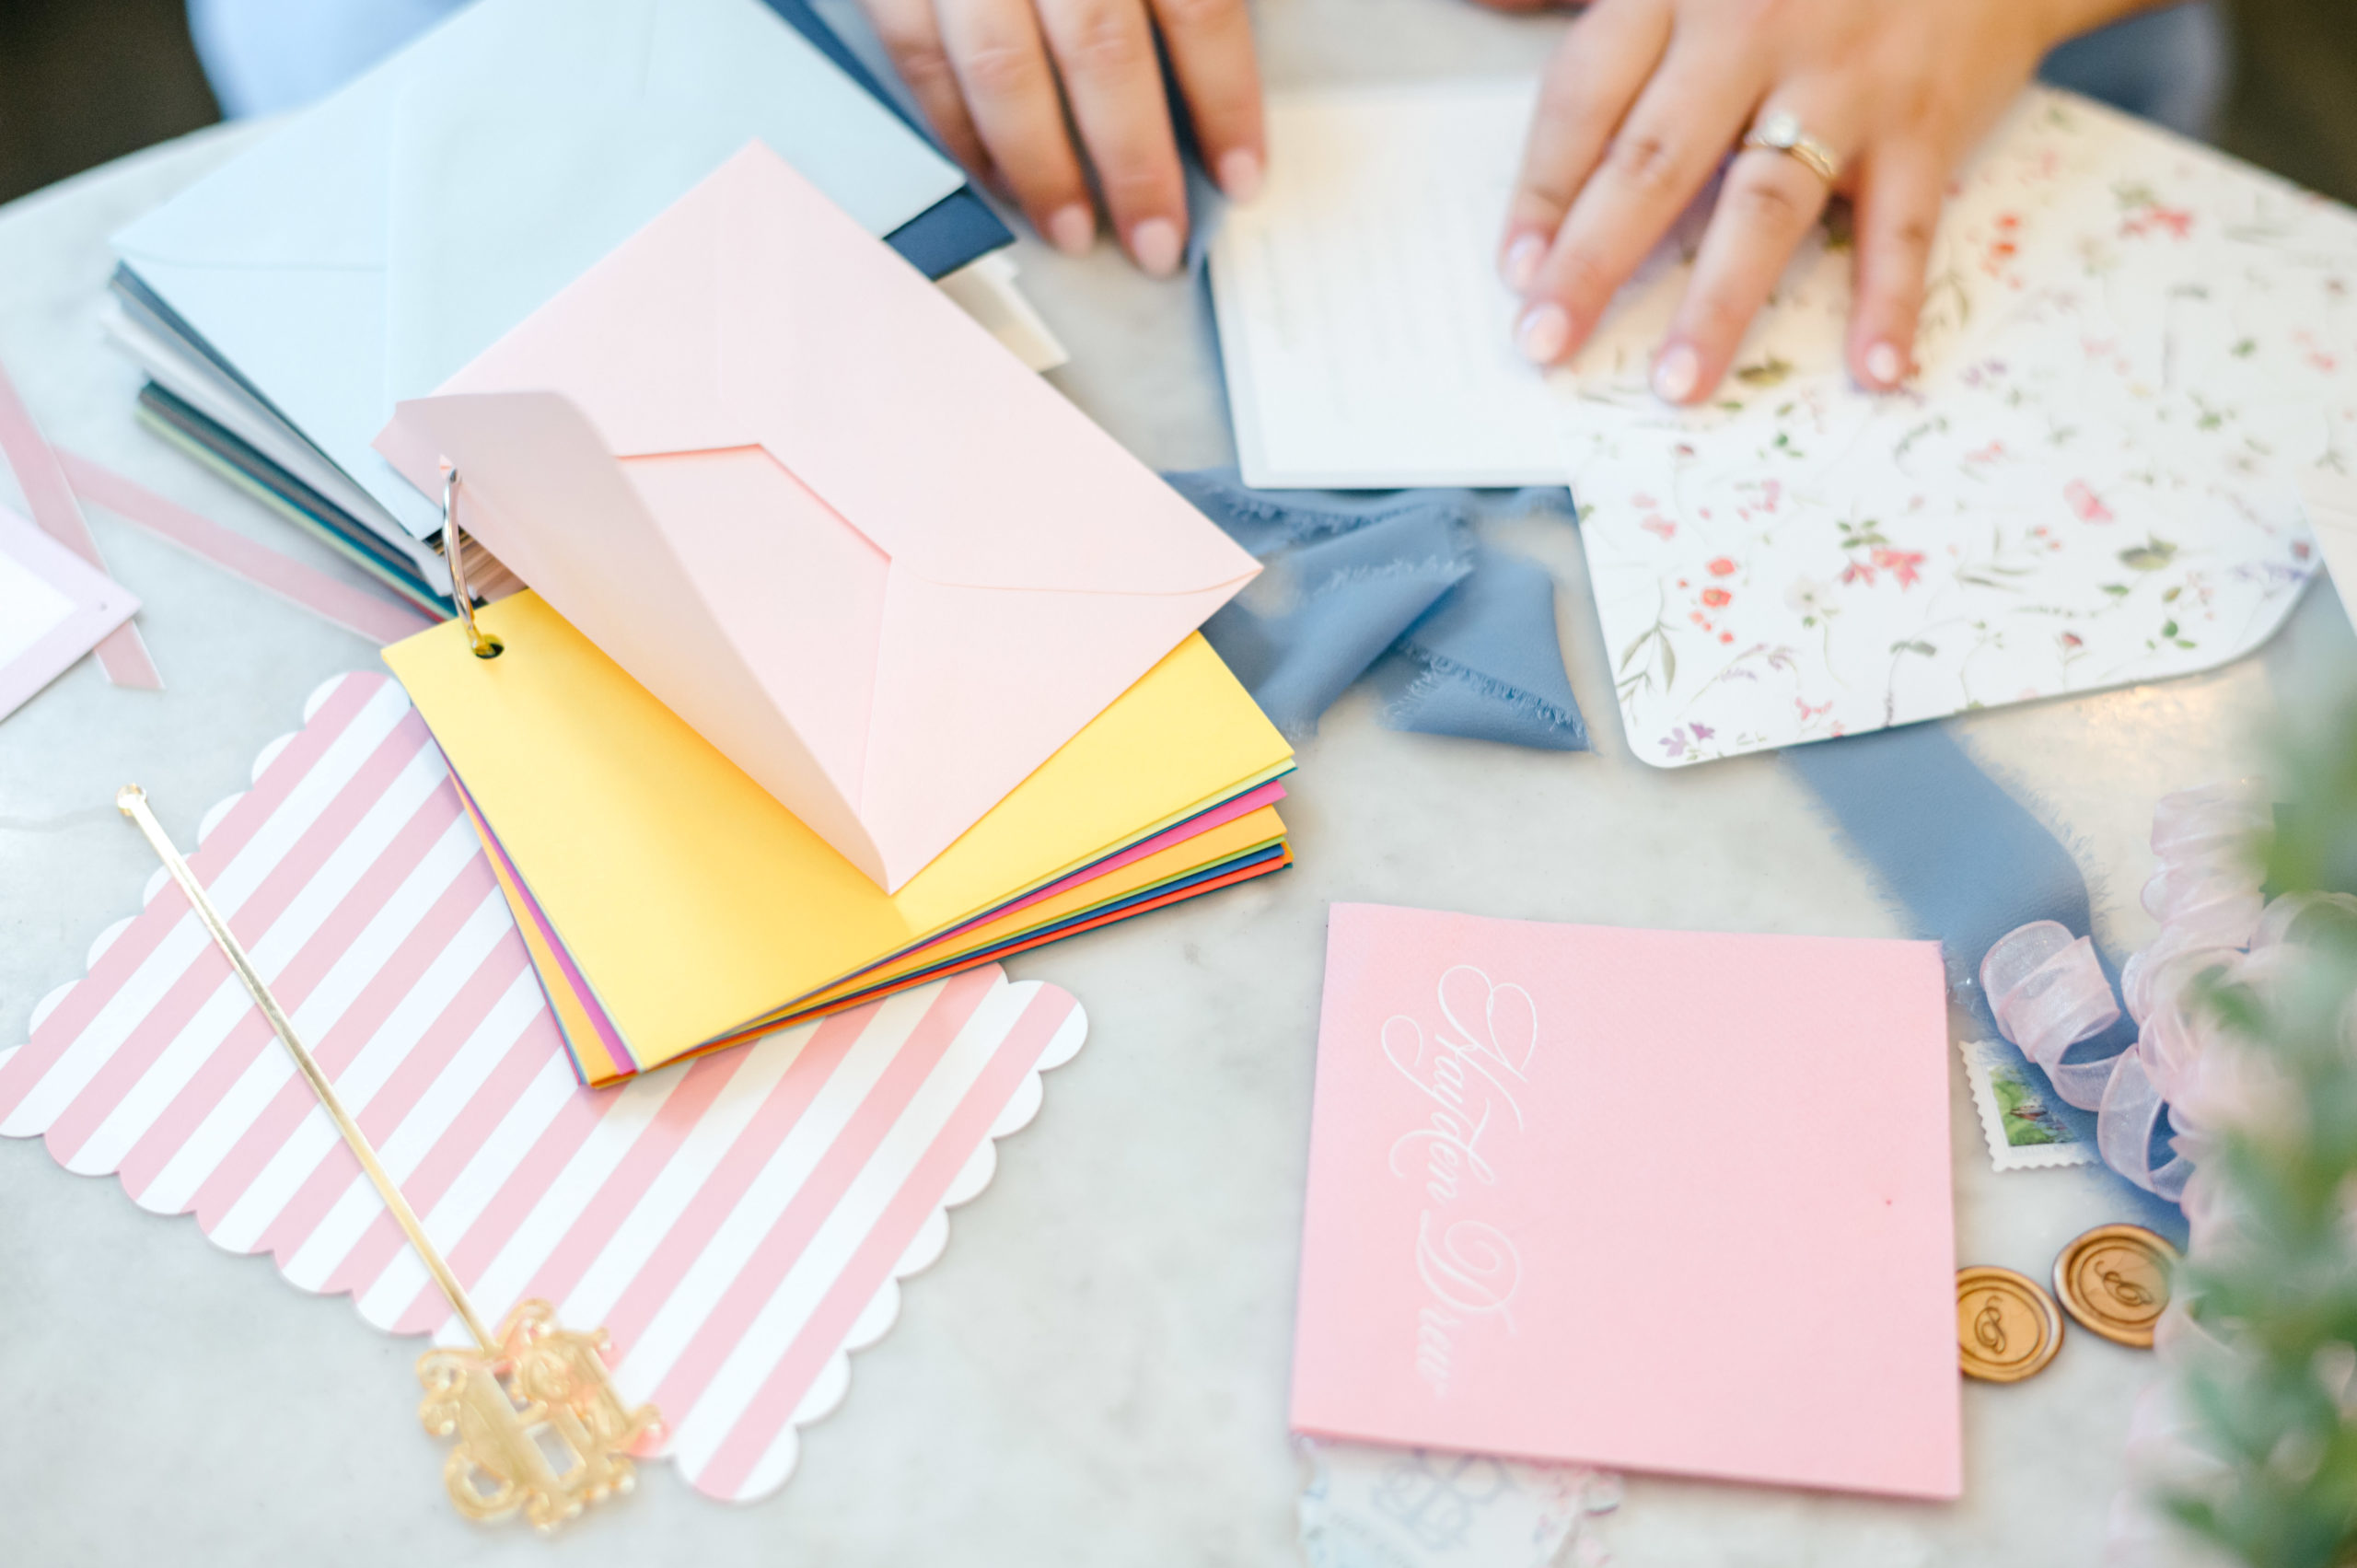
point(1461, 638)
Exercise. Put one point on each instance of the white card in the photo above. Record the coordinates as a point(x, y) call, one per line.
point(1366, 338)
point(2331, 499)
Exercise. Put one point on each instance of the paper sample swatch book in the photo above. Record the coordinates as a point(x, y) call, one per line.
point(853, 652)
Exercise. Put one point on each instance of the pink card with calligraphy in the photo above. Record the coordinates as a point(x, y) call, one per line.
point(1651, 1200)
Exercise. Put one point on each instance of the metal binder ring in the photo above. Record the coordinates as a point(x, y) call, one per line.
point(485, 644)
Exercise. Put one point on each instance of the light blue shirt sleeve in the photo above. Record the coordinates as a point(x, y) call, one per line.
point(265, 56)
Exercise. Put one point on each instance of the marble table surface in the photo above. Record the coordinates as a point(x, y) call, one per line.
point(1096, 1371)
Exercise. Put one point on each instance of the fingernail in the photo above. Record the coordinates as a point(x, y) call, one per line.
point(1072, 229)
point(1543, 334)
point(1521, 263)
point(1884, 367)
point(1154, 243)
point(1675, 374)
point(1239, 174)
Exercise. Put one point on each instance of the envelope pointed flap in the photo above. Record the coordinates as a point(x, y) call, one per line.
point(975, 688)
point(545, 494)
point(922, 429)
point(562, 126)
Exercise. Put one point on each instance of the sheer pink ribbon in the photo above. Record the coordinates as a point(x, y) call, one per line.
point(2049, 992)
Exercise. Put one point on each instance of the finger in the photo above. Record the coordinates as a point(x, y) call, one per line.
point(1595, 76)
point(1104, 50)
point(1010, 90)
point(1682, 124)
point(1210, 53)
point(1765, 207)
point(1898, 209)
point(912, 39)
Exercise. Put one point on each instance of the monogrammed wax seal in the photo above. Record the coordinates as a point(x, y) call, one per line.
point(2007, 1327)
point(2115, 1281)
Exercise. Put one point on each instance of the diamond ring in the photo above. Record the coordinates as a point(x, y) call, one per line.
point(1780, 133)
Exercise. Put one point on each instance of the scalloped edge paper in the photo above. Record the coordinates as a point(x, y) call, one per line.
point(724, 1465)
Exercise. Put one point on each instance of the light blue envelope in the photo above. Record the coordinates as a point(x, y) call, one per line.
point(380, 240)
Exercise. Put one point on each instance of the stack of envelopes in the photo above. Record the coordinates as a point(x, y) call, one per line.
point(853, 653)
point(387, 236)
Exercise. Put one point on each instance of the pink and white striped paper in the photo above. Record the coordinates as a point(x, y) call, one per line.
point(739, 1223)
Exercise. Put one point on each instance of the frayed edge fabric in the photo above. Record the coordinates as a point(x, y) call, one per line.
point(1434, 673)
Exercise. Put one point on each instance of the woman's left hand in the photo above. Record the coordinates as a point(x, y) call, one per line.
point(1645, 96)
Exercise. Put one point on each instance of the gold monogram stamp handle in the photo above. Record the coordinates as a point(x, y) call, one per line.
point(518, 1404)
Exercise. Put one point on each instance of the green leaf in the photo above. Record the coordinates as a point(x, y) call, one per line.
point(2117, 590)
point(1769, 372)
point(2150, 556)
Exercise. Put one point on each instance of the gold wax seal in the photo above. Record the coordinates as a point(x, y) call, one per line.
point(2115, 1281)
point(2007, 1328)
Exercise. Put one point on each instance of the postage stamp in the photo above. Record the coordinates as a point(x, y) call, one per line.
point(2022, 1130)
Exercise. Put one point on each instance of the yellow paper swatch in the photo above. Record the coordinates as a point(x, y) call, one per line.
point(694, 903)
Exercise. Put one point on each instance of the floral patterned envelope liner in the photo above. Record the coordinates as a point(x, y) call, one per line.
point(2130, 346)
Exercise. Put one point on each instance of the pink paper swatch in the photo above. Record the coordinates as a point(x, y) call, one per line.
point(1650, 1200)
point(739, 1222)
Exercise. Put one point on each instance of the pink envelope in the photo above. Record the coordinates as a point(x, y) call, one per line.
point(1653, 1200)
point(804, 500)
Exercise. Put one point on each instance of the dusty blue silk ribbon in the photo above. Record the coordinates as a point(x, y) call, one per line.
point(1461, 638)
point(1967, 863)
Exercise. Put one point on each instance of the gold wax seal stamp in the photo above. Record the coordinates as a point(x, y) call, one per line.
point(2007, 1327)
point(2115, 1281)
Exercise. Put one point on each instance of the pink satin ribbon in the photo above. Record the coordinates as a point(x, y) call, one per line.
point(378, 619)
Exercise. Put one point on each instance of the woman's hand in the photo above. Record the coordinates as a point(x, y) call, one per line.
point(987, 74)
point(1645, 98)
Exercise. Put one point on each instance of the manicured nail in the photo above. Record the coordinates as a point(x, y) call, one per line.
point(1239, 174)
point(1072, 229)
point(1675, 374)
point(1521, 261)
point(1154, 243)
point(1542, 334)
point(1884, 367)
